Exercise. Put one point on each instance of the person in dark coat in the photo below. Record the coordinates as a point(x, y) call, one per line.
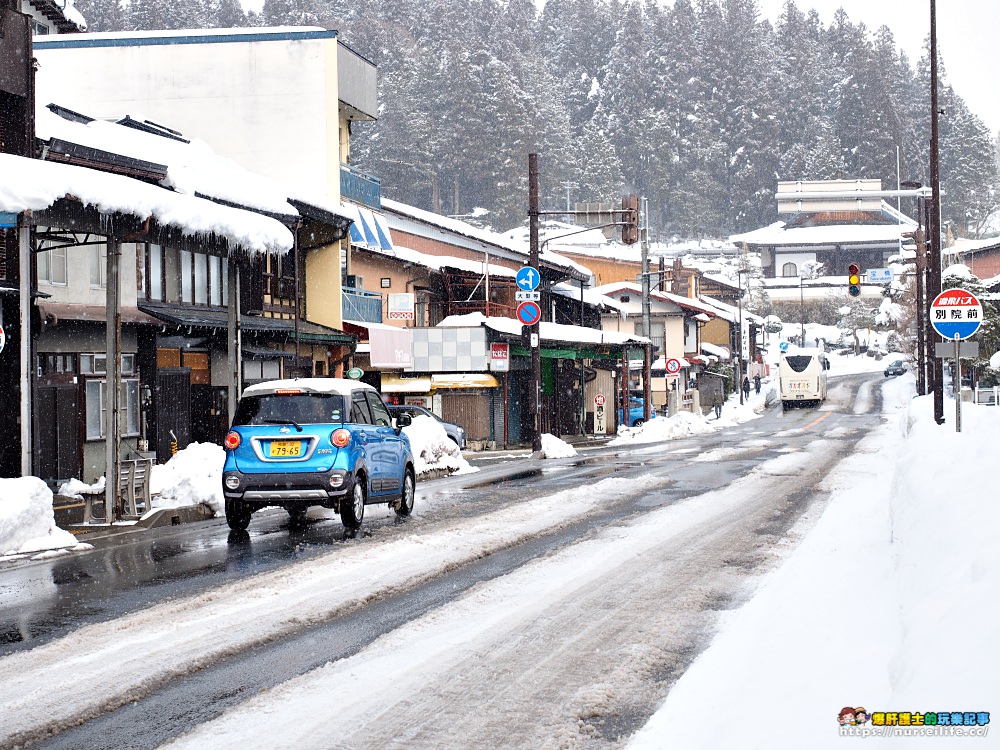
point(756, 384)
point(746, 387)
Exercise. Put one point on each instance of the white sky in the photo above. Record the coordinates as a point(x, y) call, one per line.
point(966, 32)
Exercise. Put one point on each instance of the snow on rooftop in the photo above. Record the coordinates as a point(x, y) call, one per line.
point(70, 13)
point(456, 226)
point(192, 167)
point(98, 37)
point(33, 184)
point(547, 331)
point(631, 287)
point(779, 233)
point(437, 262)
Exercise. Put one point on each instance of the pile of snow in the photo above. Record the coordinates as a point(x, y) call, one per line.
point(898, 576)
point(433, 450)
point(27, 524)
point(685, 424)
point(553, 447)
point(682, 424)
point(76, 489)
point(191, 477)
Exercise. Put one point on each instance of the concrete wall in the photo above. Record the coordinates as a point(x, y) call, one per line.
point(266, 98)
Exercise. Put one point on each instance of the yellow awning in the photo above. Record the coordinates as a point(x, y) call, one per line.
point(397, 384)
point(464, 380)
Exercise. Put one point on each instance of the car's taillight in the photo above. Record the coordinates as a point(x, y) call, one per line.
point(232, 441)
point(340, 437)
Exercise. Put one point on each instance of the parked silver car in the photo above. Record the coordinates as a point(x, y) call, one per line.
point(452, 430)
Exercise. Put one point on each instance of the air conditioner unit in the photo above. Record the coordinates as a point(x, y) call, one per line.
point(354, 282)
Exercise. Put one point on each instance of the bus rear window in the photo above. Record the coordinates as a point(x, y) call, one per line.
point(798, 363)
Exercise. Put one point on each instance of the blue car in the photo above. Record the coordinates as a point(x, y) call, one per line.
point(636, 413)
point(316, 441)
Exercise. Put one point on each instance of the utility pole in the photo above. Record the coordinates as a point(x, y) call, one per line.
point(531, 333)
point(646, 323)
point(934, 227)
point(569, 186)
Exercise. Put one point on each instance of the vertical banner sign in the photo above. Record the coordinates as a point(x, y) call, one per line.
point(600, 416)
point(500, 357)
point(3, 339)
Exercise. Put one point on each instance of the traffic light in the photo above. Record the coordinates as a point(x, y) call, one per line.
point(917, 235)
point(854, 280)
point(630, 219)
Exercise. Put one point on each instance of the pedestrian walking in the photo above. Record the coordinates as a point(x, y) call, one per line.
point(717, 405)
point(746, 387)
point(756, 383)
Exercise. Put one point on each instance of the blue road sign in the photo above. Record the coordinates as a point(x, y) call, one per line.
point(529, 313)
point(527, 278)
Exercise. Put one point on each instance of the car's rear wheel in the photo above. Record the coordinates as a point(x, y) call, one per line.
point(237, 515)
point(352, 507)
point(297, 515)
point(406, 498)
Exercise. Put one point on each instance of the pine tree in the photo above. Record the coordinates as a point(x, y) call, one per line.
point(103, 15)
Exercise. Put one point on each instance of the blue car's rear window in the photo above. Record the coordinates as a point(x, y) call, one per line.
point(300, 408)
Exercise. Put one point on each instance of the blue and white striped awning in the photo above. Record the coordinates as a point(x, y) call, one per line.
point(368, 229)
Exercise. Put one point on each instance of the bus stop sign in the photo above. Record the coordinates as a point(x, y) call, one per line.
point(956, 314)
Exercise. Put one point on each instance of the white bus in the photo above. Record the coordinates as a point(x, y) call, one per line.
point(802, 375)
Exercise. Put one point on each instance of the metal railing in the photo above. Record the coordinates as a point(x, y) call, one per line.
point(361, 305)
point(360, 187)
point(988, 396)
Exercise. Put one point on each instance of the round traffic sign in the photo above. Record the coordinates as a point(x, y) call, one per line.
point(599, 399)
point(673, 366)
point(956, 313)
point(527, 278)
point(529, 313)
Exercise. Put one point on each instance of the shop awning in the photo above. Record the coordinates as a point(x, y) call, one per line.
point(397, 384)
point(463, 380)
point(368, 229)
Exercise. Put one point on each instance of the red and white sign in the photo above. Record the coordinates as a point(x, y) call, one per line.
point(500, 357)
point(673, 366)
point(599, 399)
point(956, 314)
point(400, 306)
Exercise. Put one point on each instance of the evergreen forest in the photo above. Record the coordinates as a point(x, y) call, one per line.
point(700, 106)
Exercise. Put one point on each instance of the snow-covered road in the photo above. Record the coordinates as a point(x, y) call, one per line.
point(538, 658)
point(535, 658)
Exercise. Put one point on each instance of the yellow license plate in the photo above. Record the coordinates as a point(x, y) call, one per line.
point(285, 448)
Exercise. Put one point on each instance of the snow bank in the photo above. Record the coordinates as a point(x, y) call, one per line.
point(553, 447)
point(192, 477)
point(898, 579)
point(433, 449)
point(944, 519)
point(27, 523)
